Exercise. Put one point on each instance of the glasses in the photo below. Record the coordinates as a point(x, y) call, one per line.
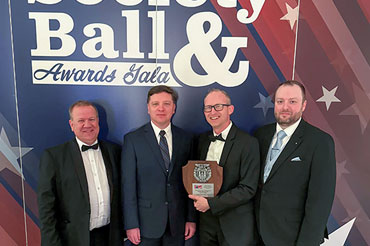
point(217, 107)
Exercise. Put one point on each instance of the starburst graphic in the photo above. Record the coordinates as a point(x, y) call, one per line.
point(291, 15)
point(264, 104)
point(360, 108)
point(9, 155)
point(341, 169)
point(328, 97)
point(339, 237)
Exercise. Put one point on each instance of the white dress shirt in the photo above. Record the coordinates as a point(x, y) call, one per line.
point(215, 148)
point(288, 131)
point(168, 136)
point(98, 185)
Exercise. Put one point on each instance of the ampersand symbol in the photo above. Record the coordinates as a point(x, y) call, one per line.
point(200, 46)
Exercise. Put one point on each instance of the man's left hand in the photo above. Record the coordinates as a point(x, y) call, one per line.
point(200, 203)
point(190, 228)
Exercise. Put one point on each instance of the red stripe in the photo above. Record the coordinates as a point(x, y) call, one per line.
point(253, 53)
point(15, 182)
point(277, 35)
point(12, 220)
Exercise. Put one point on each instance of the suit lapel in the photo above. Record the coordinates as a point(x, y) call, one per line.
point(204, 146)
point(176, 144)
point(228, 145)
point(108, 166)
point(79, 168)
point(292, 145)
point(154, 146)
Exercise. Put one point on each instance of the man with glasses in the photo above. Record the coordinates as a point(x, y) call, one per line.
point(228, 218)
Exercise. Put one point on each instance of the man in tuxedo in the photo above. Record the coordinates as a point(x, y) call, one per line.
point(297, 184)
point(79, 187)
point(228, 218)
point(156, 208)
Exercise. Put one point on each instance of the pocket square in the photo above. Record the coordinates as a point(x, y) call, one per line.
point(296, 159)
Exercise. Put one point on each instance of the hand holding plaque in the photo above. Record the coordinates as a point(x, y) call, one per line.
point(202, 178)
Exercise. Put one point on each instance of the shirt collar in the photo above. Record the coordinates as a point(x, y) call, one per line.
point(80, 143)
point(290, 129)
point(225, 132)
point(157, 129)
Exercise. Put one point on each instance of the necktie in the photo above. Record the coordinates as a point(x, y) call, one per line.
point(87, 147)
point(164, 149)
point(279, 141)
point(214, 138)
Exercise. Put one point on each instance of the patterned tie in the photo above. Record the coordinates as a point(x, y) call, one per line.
point(164, 149)
point(279, 141)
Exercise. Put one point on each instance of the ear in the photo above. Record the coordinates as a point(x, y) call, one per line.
point(71, 124)
point(230, 109)
point(304, 105)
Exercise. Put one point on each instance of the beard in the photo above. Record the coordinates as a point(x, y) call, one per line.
point(287, 120)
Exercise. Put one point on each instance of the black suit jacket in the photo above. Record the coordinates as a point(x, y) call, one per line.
point(151, 195)
point(293, 205)
point(63, 196)
point(234, 203)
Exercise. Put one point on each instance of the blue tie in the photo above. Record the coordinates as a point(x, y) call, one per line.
point(164, 149)
point(279, 141)
point(275, 150)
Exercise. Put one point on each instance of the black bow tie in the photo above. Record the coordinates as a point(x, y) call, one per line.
point(86, 147)
point(214, 138)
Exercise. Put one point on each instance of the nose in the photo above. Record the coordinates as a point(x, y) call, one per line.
point(285, 105)
point(161, 107)
point(86, 123)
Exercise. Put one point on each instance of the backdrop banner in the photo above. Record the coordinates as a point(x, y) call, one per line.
point(55, 52)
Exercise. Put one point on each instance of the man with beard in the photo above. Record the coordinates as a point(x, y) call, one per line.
point(297, 182)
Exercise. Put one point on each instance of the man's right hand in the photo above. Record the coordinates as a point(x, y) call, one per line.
point(134, 235)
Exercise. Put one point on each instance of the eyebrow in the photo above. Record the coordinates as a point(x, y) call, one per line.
point(159, 101)
point(288, 98)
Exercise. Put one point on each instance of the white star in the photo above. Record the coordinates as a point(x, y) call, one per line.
point(339, 236)
point(11, 153)
point(265, 103)
point(291, 15)
point(5, 164)
point(341, 169)
point(360, 107)
point(328, 97)
point(352, 213)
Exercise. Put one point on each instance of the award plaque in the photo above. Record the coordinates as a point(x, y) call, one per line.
point(202, 178)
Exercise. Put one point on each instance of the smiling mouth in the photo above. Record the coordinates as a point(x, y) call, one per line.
point(88, 130)
point(214, 117)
